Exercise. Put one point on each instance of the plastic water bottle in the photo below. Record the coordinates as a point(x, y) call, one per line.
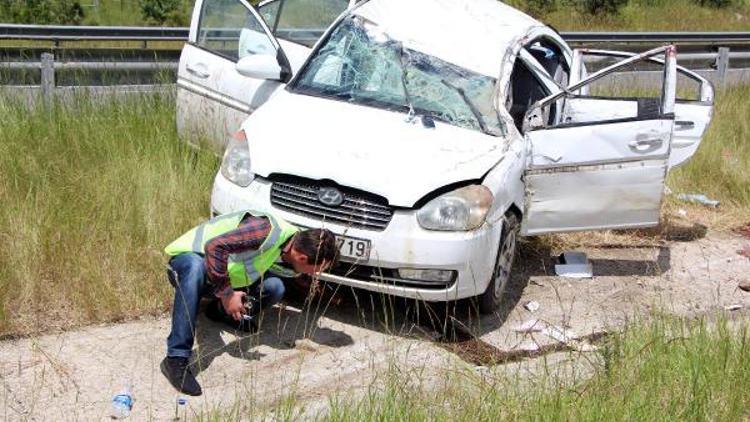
point(122, 404)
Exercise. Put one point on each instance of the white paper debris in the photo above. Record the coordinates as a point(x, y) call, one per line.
point(574, 265)
point(532, 306)
point(735, 307)
point(530, 326)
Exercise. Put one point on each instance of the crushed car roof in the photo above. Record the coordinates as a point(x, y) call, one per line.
point(473, 34)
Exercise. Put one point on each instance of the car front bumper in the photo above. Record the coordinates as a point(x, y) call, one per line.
point(403, 244)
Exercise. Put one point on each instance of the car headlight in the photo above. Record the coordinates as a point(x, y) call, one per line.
point(459, 210)
point(236, 163)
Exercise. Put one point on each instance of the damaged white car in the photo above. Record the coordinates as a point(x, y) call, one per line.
point(429, 134)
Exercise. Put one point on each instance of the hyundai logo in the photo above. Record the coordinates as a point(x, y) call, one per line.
point(330, 196)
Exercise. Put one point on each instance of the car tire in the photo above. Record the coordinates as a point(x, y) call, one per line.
point(490, 300)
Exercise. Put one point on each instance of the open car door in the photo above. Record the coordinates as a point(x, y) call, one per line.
point(215, 89)
point(693, 108)
point(599, 169)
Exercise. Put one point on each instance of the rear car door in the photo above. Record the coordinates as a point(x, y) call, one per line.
point(599, 170)
point(693, 106)
point(213, 98)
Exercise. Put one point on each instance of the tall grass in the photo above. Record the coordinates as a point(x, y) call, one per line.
point(91, 192)
point(668, 370)
point(719, 168)
point(650, 15)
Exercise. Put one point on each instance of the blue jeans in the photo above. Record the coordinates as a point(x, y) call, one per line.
point(191, 287)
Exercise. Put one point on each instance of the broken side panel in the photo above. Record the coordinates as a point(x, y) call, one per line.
point(694, 94)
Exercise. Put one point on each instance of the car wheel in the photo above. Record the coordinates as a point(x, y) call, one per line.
point(490, 300)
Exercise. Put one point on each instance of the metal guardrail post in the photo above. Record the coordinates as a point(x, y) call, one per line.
point(48, 78)
point(722, 65)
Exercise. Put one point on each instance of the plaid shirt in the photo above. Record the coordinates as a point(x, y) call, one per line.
point(250, 234)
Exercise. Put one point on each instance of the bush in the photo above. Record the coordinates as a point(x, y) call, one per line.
point(714, 3)
point(42, 12)
point(166, 12)
point(539, 8)
point(600, 7)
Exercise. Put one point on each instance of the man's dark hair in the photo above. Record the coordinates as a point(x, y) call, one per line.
point(318, 244)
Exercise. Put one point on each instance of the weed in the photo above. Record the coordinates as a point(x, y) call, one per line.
point(92, 191)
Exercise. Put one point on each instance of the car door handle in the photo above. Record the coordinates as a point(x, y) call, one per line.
point(645, 145)
point(684, 125)
point(197, 71)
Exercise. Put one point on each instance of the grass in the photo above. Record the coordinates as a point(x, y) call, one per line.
point(91, 194)
point(638, 15)
point(664, 370)
point(651, 15)
point(719, 168)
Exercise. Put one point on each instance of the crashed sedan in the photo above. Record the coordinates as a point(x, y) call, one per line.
point(430, 134)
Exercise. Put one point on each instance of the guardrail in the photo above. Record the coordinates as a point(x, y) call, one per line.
point(713, 50)
point(126, 33)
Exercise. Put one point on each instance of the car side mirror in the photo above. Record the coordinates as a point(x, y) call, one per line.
point(259, 66)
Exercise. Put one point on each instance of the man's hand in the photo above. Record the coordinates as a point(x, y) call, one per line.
point(233, 305)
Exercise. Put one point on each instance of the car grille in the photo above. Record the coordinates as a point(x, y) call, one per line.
point(360, 209)
point(385, 276)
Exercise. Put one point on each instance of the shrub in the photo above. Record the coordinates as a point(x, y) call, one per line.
point(161, 12)
point(714, 3)
point(42, 12)
point(540, 8)
point(600, 7)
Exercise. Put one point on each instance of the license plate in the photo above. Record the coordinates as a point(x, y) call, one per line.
point(351, 248)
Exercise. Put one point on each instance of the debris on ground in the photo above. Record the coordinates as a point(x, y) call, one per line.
point(744, 286)
point(681, 212)
point(698, 198)
point(530, 326)
point(568, 338)
point(532, 306)
point(735, 307)
point(743, 230)
point(745, 251)
point(574, 265)
point(307, 345)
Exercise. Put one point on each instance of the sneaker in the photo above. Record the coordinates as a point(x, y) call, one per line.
point(177, 372)
point(215, 312)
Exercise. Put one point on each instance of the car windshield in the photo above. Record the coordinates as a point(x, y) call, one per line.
point(362, 64)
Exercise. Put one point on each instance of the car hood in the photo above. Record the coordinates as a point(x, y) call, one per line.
point(365, 148)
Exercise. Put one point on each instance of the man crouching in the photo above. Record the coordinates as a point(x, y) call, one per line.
point(234, 258)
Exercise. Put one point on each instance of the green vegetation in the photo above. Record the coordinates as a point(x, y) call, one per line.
point(91, 194)
point(565, 15)
point(666, 370)
point(719, 168)
point(642, 15)
point(42, 12)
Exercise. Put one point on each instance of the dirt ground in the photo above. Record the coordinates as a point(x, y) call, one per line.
point(343, 350)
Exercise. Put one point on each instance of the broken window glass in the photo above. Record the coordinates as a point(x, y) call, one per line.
point(361, 64)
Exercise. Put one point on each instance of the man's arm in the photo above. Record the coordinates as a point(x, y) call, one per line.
point(250, 235)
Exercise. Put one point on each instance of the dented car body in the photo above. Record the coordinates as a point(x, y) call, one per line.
point(429, 144)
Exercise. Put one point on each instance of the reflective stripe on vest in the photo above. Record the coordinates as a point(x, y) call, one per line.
point(243, 268)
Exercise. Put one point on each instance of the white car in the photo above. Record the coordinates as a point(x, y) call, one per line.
point(429, 134)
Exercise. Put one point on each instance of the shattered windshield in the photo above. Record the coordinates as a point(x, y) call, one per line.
point(361, 64)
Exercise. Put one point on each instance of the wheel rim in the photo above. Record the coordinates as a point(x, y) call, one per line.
point(505, 262)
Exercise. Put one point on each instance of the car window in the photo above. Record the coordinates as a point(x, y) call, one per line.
point(550, 56)
point(301, 21)
point(269, 12)
point(523, 91)
point(360, 63)
point(228, 28)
